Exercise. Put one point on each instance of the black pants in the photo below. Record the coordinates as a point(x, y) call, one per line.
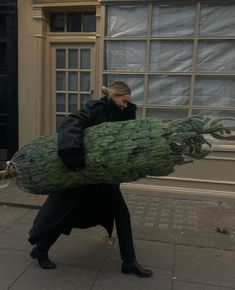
point(119, 209)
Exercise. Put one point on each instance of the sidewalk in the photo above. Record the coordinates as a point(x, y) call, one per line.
point(176, 238)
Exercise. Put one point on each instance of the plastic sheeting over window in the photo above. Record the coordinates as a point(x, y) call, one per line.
point(126, 21)
point(216, 55)
point(214, 91)
point(125, 55)
point(171, 20)
point(157, 50)
point(169, 90)
point(217, 20)
point(171, 55)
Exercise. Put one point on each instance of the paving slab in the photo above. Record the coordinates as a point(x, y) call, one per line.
point(13, 264)
point(182, 221)
point(15, 237)
point(180, 285)
point(79, 250)
point(15, 196)
point(110, 277)
point(210, 266)
point(29, 217)
point(9, 214)
point(149, 254)
point(64, 277)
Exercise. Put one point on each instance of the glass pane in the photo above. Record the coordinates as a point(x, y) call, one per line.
point(84, 99)
point(74, 22)
point(170, 20)
point(125, 55)
point(169, 90)
point(59, 121)
point(73, 58)
point(57, 22)
point(217, 20)
point(85, 58)
point(135, 82)
point(89, 22)
point(60, 58)
point(60, 81)
point(127, 21)
point(167, 114)
point(170, 55)
point(214, 91)
point(73, 81)
point(60, 102)
point(216, 55)
point(3, 27)
point(85, 82)
point(73, 102)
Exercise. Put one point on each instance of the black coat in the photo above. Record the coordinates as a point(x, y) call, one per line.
point(88, 205)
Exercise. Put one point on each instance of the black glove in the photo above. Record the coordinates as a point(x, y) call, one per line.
point(73, 158)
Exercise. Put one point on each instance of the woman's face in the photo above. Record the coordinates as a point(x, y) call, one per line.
point(121, 101)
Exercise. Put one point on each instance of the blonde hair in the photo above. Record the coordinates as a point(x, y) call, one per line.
point(117, 88)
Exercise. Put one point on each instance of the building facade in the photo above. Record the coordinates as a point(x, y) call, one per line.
point(177, 57)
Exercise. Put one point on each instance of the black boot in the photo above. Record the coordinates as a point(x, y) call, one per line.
point(135, 268)
point(42, 258)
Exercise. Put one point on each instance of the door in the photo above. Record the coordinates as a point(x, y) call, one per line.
point(73, 79)
point(8, 82)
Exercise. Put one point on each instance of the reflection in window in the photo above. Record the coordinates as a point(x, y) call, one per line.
point(57, 21)
point(74, 22)
point(73, 102)
point(85, 58)
point(85, 82)
point(73, 58)
point(60, 58)
point(84, 21)
point(60, 81)
point(89, 21)
point(60, 102)
point(73, 81)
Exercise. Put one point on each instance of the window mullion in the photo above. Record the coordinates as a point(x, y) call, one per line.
point(194, 60)
point(148, 40)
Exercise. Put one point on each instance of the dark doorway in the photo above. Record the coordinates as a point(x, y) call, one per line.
point(8, 80)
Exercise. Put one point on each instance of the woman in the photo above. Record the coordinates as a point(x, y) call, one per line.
point(89, 205)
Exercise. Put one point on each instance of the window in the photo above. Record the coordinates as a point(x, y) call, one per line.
point(178, 59)
point(73, 79)
point(73, 21)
